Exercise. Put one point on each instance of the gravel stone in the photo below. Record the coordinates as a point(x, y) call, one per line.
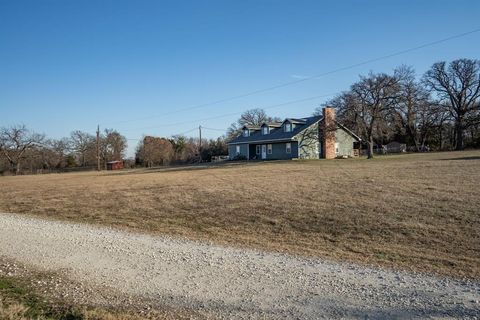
point(223, 281)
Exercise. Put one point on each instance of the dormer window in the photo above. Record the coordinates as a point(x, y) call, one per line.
point(265, 130)
point(246, 132)
point(288, 127)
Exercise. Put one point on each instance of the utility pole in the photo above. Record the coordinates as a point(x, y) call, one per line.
point(200, 143)
point(98, 148)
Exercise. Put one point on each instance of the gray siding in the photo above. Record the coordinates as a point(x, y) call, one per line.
point(345, 143)
point(279, 151)
point(308, 143)
point(232, 150)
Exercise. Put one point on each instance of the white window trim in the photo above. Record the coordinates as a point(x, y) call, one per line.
point(269, 149)
point(288, 127)
point(288, 147)
point(258, 149)
point(265, 130)
point(246, 132)
point(237, 149)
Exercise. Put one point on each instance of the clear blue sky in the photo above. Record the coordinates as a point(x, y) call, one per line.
point(68, 65)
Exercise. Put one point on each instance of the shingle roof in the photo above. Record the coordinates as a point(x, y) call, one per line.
point(296, 121)
point(276, 134)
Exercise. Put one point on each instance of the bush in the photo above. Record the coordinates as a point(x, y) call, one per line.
point(239, 157)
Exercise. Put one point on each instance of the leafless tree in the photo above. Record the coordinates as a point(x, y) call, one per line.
point(415, 111)
point(368, 103)
point(83, 144)
point(55, 152)
point(15, 141)
point(458, 86)
point(252, 117)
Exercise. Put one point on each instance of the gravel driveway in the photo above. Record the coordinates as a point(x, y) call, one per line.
point(228, 282)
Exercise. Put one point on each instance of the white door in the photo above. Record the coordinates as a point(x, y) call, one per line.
point(264, 151)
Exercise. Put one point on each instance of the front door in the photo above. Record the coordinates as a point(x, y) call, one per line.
point(264, 151)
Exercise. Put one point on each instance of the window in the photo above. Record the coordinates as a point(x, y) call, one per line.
point(269, 148)
point(288, 127)
point(258, 149)
point(238, 149)
point(265, 130)
point(288, 147)
point(246, 132)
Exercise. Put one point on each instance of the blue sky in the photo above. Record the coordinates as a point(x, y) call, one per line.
point(132, 65)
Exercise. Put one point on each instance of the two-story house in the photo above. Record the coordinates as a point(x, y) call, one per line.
point(305, 138)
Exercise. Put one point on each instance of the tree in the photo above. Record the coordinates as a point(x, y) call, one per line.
point(214, 147)
point(15, 141)
point(415, 112)
point(84, 144)
point(112, 146)
point(252, 117)
point(368, 104)
point(458, 86)
point(55, 152)
point(153, 151)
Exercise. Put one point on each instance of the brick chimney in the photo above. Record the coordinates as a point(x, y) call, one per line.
point(328, 129)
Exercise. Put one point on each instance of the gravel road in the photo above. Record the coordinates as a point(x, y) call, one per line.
point(229, 282)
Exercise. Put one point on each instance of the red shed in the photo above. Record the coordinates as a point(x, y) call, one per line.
point(114, 165)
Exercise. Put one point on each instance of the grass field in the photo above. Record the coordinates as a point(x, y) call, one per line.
point(418, 212)
point(19, 302)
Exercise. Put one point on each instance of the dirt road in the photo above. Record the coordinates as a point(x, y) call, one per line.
point(229, 282)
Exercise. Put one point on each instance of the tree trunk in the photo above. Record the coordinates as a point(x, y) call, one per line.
point(459, 136)
point(370, 147)
point(17, 168)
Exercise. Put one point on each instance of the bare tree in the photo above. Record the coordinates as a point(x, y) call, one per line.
point(459, 87)
point(368, 103)
point(252, 117)
point(55, 152)
point(415, 111)
point(15, 141)
point(83, 144)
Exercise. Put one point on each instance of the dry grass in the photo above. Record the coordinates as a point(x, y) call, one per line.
point(19, 301)
point(418, 212)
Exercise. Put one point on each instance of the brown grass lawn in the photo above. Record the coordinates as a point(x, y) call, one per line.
point(419, 212)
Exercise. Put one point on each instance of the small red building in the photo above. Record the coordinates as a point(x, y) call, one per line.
point(114, 165)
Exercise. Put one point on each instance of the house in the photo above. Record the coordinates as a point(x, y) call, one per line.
point(305, 138)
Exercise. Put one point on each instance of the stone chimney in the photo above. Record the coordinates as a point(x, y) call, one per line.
point(328, 130)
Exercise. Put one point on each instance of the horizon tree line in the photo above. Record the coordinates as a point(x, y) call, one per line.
point(438, 111)
point(25, 151)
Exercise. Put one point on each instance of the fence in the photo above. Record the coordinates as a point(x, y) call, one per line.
point(219, 158)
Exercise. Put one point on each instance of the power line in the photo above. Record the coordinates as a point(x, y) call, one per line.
point(223, 130)
point(456, 36)
point(231, 114)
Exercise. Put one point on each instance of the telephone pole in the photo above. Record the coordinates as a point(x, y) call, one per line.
point(98, 148)
point(200, 143)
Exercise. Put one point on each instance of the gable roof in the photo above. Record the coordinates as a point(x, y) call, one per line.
point(272, 124)
point(348, 131)
point(249, 127)
point(277, 134)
